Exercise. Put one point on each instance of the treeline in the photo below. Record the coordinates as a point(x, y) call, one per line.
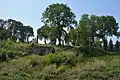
point(15, 30)
point(90, 31)
point(60, 25)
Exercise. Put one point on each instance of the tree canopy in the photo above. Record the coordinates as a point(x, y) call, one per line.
point(15, 30)
point(59, 24)
point(60, 16)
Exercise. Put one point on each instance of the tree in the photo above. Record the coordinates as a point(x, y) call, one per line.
point(93, 26)
point(83, 30)
point(53, 34)
point(28, 32)
point(60, 16)
point(18, 31)
point(117, 46)
point(1, 23)
point(15, 28)
point(107, 27)
point(87, 29)
point(4, 33)
point(111, 47)
point(43, 33)
point(73, 36)
point(82, 34)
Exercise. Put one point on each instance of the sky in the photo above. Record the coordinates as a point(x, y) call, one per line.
point(30, 12)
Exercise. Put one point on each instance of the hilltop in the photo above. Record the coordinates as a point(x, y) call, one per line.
point(68, 63)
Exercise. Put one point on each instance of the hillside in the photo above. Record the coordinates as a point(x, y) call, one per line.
point(68, 63)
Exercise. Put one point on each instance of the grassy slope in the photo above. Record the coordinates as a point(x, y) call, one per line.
point(64, 65)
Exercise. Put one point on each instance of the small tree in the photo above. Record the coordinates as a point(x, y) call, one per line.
point(111, 47)
point(117, 46)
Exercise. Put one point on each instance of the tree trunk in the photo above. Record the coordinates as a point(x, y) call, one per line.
point(105, 44)
point(59, 40)
point(45, 41)
point(37, 39)
point(27, 39)
point(60, 34)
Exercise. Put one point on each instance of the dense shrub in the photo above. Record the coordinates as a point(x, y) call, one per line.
point(91, 51)
point(7, 54)
point(60, 58)
point(10, 50)
point(34, 60)
point(61, 69)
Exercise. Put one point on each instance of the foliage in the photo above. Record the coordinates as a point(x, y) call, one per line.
point(59, 59)
point(92, 28)
point(61, 69)
point(107, 26)
point(64, 64)
point(84, 60)
point(15, 30)
point(111, 47)
point(73, 37)
point(11, 50)
point(60, 16)
point(43, 32)
point(4, 34)
point(117, 46)
point(105, 44)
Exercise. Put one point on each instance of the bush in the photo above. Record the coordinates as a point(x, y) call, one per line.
point(7, 54)
point(59, 59)
point(91, 51)
point(49, 59)
point(34, 60)
point(11, 49)
point(61, 69)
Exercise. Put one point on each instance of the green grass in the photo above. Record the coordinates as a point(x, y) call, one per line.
point(65, 64)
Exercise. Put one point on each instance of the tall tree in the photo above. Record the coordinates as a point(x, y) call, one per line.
point(107, 27)
point(28, 32)
point(84, 30)
point(60, 16)
point(14, 27)
point(93, 26)
point(18, 31)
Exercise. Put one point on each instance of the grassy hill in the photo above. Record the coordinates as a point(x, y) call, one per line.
point(68, 63)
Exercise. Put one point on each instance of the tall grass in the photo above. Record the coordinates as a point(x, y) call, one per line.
point(65, 64)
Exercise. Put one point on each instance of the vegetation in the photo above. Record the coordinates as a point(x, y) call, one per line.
point(15, 30)
point(60, 16)
point(83, 51)
point(67, 63)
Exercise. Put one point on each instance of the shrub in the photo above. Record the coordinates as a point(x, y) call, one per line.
point(7, 54)
point(49, 59)
point(91, 51)
point(3, 57)
point(11, 49)
point(59, 59)
point(61, 69)
point(35, 60)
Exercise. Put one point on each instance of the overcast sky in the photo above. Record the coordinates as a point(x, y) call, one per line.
point(30, 12)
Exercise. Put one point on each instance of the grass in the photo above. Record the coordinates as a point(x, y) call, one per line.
point(65, 64)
